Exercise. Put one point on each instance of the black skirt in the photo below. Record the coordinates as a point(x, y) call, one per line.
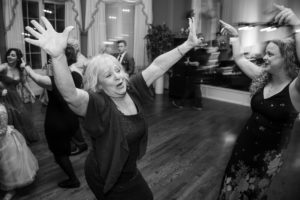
point(134, 188)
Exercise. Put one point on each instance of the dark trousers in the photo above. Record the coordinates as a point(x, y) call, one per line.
point(134, 189)
point(192, 87)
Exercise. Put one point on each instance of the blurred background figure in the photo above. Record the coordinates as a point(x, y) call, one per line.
point(124, 58)
point(18, 166)
point(11, 75)
point(195, 59)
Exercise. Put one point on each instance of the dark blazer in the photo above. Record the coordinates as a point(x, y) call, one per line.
point(128, 64)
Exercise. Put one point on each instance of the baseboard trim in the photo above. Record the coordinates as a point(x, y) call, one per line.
point(225, 94)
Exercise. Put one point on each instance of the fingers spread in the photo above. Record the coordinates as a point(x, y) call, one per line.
point(33, 32)
point(47, 23)
point(279, 7)
point(31, 41)
point(38, 26)
point(68, 30)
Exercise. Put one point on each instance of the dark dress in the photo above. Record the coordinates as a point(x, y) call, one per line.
point(19, 116)
point(60, 121)
point(258, 153)
point(118, 142)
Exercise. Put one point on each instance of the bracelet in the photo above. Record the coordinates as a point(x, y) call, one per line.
point(179, 51)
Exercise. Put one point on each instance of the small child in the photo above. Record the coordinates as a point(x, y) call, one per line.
point(18, 166)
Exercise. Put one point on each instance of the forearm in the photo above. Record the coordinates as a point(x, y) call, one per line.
point(40, 80)
point(167, 60)
point(164, 62)
point(63, 78)
point(249, 68)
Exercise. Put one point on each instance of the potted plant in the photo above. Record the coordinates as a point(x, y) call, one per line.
point(159, 40)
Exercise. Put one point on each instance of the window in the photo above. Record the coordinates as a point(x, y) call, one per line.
point(32, 10)
point(33, 53)
point(120, 23)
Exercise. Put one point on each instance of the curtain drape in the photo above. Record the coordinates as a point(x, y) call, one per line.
point(73, 17)
point(95, 25)
point(143, 17)
point(13, 20)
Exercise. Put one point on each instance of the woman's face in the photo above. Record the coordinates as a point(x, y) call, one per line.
point(112, 79)
point(12, 57)
point(274, 61)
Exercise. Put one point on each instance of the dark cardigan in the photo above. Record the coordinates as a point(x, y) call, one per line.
point(102, 123)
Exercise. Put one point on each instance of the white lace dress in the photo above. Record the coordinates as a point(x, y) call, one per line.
point(18, 166)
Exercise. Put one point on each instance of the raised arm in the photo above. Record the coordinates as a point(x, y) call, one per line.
point(165, 61)
point(54, 44)
point(288, 17)
point(249, 68)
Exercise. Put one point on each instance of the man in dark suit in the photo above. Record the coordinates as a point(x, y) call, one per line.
point(124, 58)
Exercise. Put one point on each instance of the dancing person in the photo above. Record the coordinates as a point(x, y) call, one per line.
point(11, 75)
point(195, 59)
point(18, 166)
point(112, 107)
point(61, 124)
point(258, 154)
point(125, 58)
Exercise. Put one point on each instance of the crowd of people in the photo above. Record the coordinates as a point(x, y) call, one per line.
point(104, 97)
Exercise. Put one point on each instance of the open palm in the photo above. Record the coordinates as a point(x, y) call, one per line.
point(228, 29)
point(192, 38)
point(48, 39)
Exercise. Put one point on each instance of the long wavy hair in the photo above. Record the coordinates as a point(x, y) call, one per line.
point(19, 56)
point(91, 79)
point(287, 50)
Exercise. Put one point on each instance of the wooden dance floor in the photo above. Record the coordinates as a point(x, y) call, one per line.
point(186, 157)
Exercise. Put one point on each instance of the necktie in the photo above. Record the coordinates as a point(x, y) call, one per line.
point(119, 57)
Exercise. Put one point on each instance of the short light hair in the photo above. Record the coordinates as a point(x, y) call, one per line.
point(93, 71)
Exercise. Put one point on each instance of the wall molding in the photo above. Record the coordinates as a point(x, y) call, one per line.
point(225, 94)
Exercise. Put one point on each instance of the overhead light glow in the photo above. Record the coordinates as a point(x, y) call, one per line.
point(245, 28)
point(268, 29)
point(112, 17)
point(48, 11)
point(126, 10)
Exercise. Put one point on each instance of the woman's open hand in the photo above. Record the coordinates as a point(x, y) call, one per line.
point(23, 64)
point(193, 40)
point(48, 39)
point(228, 29)
point(285, 16)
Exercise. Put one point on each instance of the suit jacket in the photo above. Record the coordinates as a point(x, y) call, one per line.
point(128, 63)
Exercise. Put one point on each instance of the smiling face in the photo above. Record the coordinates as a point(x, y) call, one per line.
point(112, 78)
point(12, 57)
point(274, 61)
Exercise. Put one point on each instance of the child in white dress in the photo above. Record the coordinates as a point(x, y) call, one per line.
point(18, 166)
